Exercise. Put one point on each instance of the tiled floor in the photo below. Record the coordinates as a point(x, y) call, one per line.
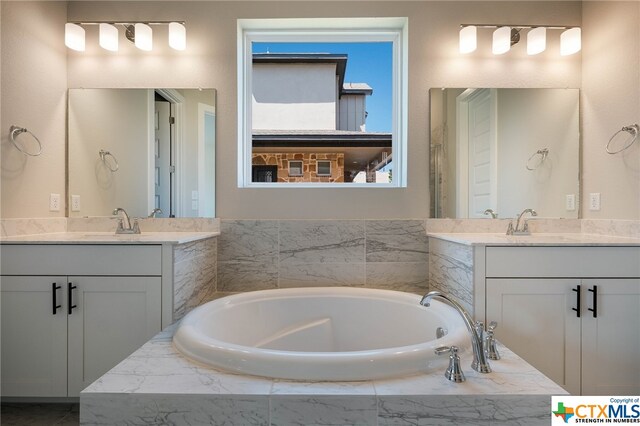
point(23, 414)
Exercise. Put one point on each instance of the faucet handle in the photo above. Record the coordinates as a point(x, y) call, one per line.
point(510, 228)
point(454, 371)
point(492, 326)
point(490, 347)
point(136, 226)
point(120, 228)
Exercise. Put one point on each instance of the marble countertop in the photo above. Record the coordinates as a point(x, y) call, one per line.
point(535, 239)
point(157, 368)
point(109, 238)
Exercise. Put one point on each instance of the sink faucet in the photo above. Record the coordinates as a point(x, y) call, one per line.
point(493, 214)
point(128, 229)
point(480, 363)
point(522, 227)
point(155, 212)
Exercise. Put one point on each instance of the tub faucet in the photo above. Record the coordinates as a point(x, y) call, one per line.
point(480, 363)
point(522, 227)
point(128, 229)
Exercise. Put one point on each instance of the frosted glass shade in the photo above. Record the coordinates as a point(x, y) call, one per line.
point(74, 37)
point(109, 37)
point(536, 40)
point(144, 37)
point(570, 41)
point(177, 36)
point(468, 39)
point(501, 40)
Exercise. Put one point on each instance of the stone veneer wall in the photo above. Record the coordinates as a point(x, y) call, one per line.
point(267, 254)
point(308, 165)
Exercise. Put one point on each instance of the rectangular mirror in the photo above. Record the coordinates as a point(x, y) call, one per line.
point(504, 150)
point(142, 149)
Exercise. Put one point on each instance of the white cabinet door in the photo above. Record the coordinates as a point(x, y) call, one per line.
point(34, 340)
point(611, 341)
point(114, 317)
point(536, 321)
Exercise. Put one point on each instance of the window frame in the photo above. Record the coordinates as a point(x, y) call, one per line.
point(392, 30)
point(318, 168)
point(301, 168)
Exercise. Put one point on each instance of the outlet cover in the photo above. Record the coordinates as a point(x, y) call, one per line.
point(54, 202)
point(570, 202)
point(594, 201)
point(75, 203)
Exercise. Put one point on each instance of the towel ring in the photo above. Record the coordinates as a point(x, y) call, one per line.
point(633, 130)
point(111, 165)
point(14, 132)
point(542, 153)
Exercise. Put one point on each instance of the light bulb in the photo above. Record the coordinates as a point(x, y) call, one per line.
point(536, 40)
point(468, 39)
point(501, 40)
point(177, 36)
point(109, 37)
point(144, 37)
point(74, 37)
point(570, 41)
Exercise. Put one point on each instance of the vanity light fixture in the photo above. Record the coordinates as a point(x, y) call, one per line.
point(139, 33)
point(74, 37)
point(108, 37)
point(506, 36)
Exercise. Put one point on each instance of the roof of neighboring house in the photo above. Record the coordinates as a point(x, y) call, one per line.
point(340, 59)
point(319, 138)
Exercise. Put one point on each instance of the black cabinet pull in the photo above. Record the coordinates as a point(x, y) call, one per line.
point(594, 290)
point(577, 308)
point(70, 288)
point(54, 288)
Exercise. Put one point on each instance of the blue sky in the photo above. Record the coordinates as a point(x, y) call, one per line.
point(368, 63)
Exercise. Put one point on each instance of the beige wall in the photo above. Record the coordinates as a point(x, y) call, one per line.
point(33, 84)
point(610, 100)
point(210, 61)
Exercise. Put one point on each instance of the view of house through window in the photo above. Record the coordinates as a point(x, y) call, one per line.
point(322, 112)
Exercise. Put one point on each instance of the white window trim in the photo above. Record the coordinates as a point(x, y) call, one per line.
point(318, 168)
point(301, 167)
point(324, 30)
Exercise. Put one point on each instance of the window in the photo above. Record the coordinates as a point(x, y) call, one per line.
point(323, 168)
point(295, 168)
point(323, 94)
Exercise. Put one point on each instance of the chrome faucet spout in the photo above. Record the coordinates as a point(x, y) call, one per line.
point(125, 216)
point(124, 224)
point(155, 212)
point(480, 363)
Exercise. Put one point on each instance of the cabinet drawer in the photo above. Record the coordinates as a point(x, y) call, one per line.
point(56, 259)
point(560, 262)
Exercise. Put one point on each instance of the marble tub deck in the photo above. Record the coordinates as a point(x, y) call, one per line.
point(156, 385)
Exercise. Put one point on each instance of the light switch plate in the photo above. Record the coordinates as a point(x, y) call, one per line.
point(75, 203)
point(54, 202)
point(594, 201)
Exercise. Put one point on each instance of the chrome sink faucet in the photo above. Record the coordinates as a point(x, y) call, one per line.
point(490, 212)
point(155, 212)
point(480, 363)
point(128, 229)
point(522, 227)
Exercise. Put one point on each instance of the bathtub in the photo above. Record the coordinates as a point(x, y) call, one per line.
point(318, 334)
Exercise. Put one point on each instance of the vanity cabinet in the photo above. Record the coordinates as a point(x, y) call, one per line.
point(571, 312)
point(72, 312)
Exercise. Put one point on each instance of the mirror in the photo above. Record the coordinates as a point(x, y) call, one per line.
point(504, 150)
point(142, 149)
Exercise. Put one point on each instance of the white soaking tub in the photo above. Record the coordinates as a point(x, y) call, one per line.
point(318, 334)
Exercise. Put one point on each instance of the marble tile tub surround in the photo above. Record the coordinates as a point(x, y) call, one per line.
point(451, 271)
point(156, 385)
point(194, 275)
point(264, 254)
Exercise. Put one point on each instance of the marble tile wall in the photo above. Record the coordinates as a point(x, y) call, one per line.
point(451, 271)
point(500, 225)
point(194, 275)
point(110, 223)
point(618, 228)
point(15, 227)
point(264, 254)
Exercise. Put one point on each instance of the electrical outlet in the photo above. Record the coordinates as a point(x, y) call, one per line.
point(194, 195)
point(194, 204)
point(54, 202)
point(570, 202)
point(75, 203)
point(594, 201)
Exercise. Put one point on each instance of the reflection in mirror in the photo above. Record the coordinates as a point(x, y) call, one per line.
point(504, 150)
point(142, 149)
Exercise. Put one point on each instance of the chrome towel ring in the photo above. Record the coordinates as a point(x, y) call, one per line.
point(543, 156)
point(14, 132)
point(633, 130)
point(110, 164)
